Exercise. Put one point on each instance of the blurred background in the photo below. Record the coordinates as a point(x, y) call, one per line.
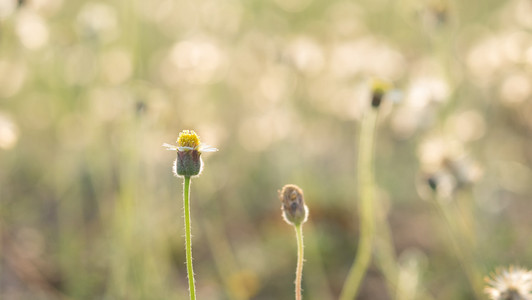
point(90, 90)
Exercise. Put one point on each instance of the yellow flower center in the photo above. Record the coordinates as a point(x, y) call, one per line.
point(380, 86)
point(188, 138)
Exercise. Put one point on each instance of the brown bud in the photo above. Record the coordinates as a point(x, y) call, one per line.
point(295, 212)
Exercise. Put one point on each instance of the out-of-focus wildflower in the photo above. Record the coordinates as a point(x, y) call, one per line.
point(422, 96)
point(306, 55)
point(435, 14)
point(446, 166)
point(378, 89)
point(497, 54)
point(8, 132)
point(424, 90)
point(31, 30)
point(295, 212)
point(97, 21)
point(464, 170)
point(189, 149)
point(514, 283)
point(515, 89)
point(440, 183)
point(196, 61)
point(7, 7)
point(411, 264)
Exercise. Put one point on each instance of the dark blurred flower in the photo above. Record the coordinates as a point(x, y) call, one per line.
point(378, 89)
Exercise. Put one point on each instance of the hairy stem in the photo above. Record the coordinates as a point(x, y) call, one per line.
point(366, 209)
point(188, 239)
point(299, 270)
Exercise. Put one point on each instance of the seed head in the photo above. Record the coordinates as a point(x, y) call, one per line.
point(514, 283)
point(295, 212)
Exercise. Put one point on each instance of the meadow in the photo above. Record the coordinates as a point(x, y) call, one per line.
point(91, 90)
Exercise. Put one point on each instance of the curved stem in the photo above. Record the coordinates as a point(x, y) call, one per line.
point(367, 218)
point(299, 270)
point(188, 239)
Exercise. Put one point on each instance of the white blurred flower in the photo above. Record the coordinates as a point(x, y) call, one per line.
point(514, 283)
point(7, 7)
point(306, 55)
point(515, 89)
point(494, 53)
point(8, 132)
point(97, 20)
point(424, 90)
point(31, 30)
point(435, 149)
point(196, 61)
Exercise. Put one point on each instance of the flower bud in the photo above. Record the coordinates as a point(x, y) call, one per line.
point(295, 212)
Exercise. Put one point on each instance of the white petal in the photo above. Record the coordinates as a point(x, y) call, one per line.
point(184, 148)
point(169, 147)
point(207, 148)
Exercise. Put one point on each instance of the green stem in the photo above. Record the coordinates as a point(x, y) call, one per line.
point(458, 243)
point(367, 218)
point(299, 270)
point(385, 251)
point(188, 239)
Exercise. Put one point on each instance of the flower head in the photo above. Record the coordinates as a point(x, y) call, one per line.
point(188, 138)
point(295, 212)
point(378, 89)
point(189, 149)
point(514, 283)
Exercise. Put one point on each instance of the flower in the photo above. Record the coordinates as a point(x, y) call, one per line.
point(295, 212)
point(514, 283)
point(189, 149)
point(378, 89)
